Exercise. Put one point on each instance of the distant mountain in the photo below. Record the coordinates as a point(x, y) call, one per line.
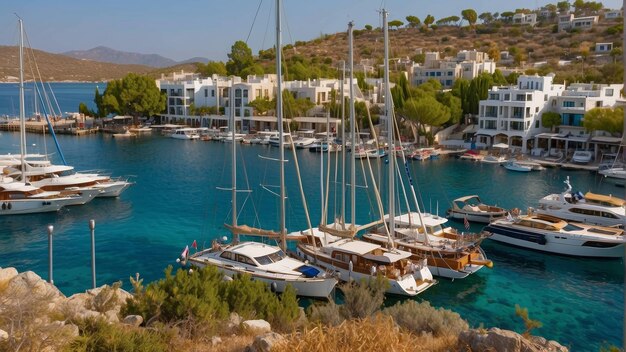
point(104, 54)
point(57, 67)
point(204, 60)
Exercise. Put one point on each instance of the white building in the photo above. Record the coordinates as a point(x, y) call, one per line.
point(525, 19)
point(512, 114)
point(612, 14)
point(568, 21)
point(467, 65)
point(603, 47)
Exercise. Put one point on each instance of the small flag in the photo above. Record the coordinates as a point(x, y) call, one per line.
point(466, 223)
point(185, 253)
point(194, 245)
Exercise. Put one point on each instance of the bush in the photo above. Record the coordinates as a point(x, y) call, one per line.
point(364, 298)
point(423, 318)
point(204, 298)
point(97, 335)
point(326, 314)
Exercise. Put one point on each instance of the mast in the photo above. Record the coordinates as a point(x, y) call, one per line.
point(22, 105)
point(279, 117)
point(234, 165)
point(390, 137)
point(343, 146)
point(352, 131)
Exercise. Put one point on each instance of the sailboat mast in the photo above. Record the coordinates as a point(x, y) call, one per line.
point(279, 117)
point(390, 137)
point(343, 145)
point(234, 161)
point(352, 131)
point(22, 105)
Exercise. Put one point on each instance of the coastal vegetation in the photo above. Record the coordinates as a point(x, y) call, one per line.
point(133, 95)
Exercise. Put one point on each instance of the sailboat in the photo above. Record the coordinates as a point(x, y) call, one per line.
point(265, 262)
point(335, 247)
point(20, 197)
point(444, 256)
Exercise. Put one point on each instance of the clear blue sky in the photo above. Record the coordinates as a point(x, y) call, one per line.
point(180, 29)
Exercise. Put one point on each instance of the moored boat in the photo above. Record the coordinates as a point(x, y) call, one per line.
point(474, 210)
point(550, 234)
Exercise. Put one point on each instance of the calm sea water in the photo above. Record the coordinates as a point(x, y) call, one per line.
point(175, 200)
point(68, 96)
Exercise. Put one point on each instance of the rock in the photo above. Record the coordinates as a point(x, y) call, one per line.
point(504, 340)
point(216, 340)
point(258, 326)
point(111, 316)
point(265, 342)
point(234, 320)
point(134, 320)
point(7, 274)
point(72, 330)
point(4, 335)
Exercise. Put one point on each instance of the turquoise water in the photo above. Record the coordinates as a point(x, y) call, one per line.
point(68, 96)
point(175, 200)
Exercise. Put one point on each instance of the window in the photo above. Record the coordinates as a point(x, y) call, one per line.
point(528, 112)
point(237, 93)
point(450, 73)
point(520, 97)
point(226, 255)
point(491, 111)
point(212, 93)
point(245, 93)
point(206, 93)
point(494, 96)
point(609, 92)
point(518, 112)
point(568, 104)
point(537, 124)
point(529, 97)
point(507, 96)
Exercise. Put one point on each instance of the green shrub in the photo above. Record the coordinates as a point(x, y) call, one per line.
point(422, 317)
point(327, 314)
point(205, 299)
point(97, 335)
point(364, 298)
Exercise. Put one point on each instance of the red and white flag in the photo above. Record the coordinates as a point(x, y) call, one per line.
point(194, 244)
point(185, 253)
point(466, 223)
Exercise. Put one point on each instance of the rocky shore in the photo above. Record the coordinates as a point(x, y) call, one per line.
point(36, 316)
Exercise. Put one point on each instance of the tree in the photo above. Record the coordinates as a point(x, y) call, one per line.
point(579, 6)
point(396, 23)
point(470, 16)
point(101, 111)
point(133, 95)
point(413, 21)
point(616, 53)
point(240, 58)
point(262, 105)
point(425, 111)
point(454, 103)
point(368, 27)
point(212, 68)
point(507, 16)
point(550, 120)
point(429, 20)
point(498, 78)
point(83, 109)
point(486, 17)
point(563, 6)
point(604, 119)
point(295, 107)
point(494, 52)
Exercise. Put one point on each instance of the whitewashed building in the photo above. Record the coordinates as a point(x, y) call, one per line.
point(467, 64)
point(525, 19)
point(512, 114)
point(568, 21)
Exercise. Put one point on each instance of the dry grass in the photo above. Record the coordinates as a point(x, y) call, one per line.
point(235, 343)
point(377, 333)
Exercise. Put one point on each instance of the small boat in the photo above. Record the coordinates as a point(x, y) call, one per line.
point(582, 157)
point(471, 155)
point(185, 134)
point(473, 209)
point(590, 208)
point(126, 134)
point(551, 234)
point(492, 159)
point(514, 166)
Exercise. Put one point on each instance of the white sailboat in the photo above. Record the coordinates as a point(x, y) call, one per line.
point(335, 247)
point(262, 261)
point(20, 197)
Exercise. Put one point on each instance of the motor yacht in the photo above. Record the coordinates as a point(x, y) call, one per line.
point(474, 210)
point(550, 234)
point(590, 208)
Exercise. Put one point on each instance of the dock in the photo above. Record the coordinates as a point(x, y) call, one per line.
point(65, 126)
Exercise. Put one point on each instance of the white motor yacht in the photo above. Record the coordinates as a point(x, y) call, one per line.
point(474, 210)
point(18, 198)
point(549, 234)
point(268, 264)
point(589, 208)
point(185, 133)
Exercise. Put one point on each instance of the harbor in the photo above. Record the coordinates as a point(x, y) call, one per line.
point(175, 201)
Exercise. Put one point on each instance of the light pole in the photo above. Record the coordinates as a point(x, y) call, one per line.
point(50, 230)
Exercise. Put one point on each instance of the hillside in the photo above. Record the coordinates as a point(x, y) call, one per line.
point(104, 54)
point(56, 67)
point(535, 43)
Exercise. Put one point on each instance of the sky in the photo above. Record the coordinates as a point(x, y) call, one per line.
point(181, 29)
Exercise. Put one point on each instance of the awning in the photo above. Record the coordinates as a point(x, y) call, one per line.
point(607, 139)
point(488, 132)
point(500, 145)
point(546, 135)
point(316, 119)
point(571, 138)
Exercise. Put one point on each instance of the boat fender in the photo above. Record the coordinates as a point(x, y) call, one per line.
point(4, 206)
point(273, 286)
point(9, 206)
